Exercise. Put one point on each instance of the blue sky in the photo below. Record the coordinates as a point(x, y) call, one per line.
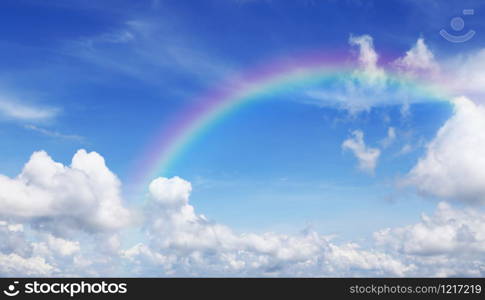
point(106, 76)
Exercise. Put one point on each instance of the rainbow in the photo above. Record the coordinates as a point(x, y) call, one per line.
point(206, 111)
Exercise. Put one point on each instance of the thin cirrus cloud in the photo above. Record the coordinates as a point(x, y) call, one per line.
point(54, 134)
point(15, 110)
point(153, 49)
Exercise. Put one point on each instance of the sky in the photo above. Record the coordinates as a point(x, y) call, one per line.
point(242, 138)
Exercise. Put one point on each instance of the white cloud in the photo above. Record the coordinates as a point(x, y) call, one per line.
point(20, 111)
point(16, 253)
point(407, 148)
point(368, 57)
point(465, 74)
point(84, 195)
point(178, 241)
point(367, 156)
point(61, 246)
point(370, 85)
point(61, 220)
point(182, 242)
point(15, 265)
point(390, 138)
point(174, 191)
point(449, 243)
point(454, 165)
point(418, 60)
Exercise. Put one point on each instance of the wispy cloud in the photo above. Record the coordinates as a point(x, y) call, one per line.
point(366, 155)
point(153, 50)
point(20, 111)
point(390, 138)
point(54, 134)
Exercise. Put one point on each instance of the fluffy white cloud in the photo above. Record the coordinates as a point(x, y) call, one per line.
point(182, 242)
point(368, 57)
point(174, 191)
point(61, 246)
point(61, 220)
point(178, 241)
point(454, 165)
point(448, 231)
point(15, 265)
point(449, 243)
point(465, 75)
point(418, 60)
point(367, 156)
point(17, 257)
point(85, 195)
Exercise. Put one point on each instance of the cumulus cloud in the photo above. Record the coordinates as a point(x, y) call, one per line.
point(183, 242)
point(454, 165)
point(465, 75)
point(59, 220)
point(449, 243)
point(418, 60)
point(15, 265)
point(85, 194)
point(367, 156)
point(174, 191)
point(178, 241)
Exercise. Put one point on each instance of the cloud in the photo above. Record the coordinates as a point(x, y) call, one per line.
point(406, 149)
point(154, 48)
point(61, 246)
point(20, 111)
point(454, 165)
point(176, 241)
point(182, 242)
point(58, 220)
point(370, 85)
point(174, 191)
point(448, 243)
point(465, 74)
point(16, 255)
point(84, 195)
point(418, 60)
point(54, 134)
point(15, 265)
point(368, 57)
point(367, 156)
point(448, 231)
point(390, 138)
